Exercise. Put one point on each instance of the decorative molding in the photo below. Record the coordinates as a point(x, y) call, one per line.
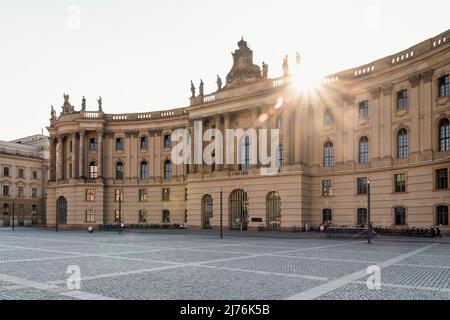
point(387, 90)
point(375, 93)
point(129, 134)
point(414, 80)
point(349, 99)
point(427, 76)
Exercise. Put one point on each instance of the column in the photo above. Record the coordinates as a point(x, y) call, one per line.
point(52, 174)
point(218, 120)
point(286, 135)
point(427, 132)
point(374, 148)
point(191, 131)
point(387, 93)
point(60, 158)
point(100, 153)
point(298, 135)
point(226, 125)
point(74, 155)
point(82, 152)
point(414, 82)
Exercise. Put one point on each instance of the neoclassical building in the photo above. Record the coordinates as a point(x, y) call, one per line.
point(386, 122)
point(23, 178)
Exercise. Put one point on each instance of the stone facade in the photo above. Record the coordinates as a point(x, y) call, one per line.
point(23, 178)
point(386, 122)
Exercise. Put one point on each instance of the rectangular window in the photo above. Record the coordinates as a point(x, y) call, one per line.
point(444, 87)
point(93, 144)
point(364, 109)
point(328, 117)
point(90, 195)
point(327, 189)
point(119, 144)
point(402, 100)
point(20, 192)
point(167, 141)
point(400, 182)
point(6, 172)
point(34, 193)
point(34, 175)
point(166, 194)
point(90, 216)
point(361, 186)
point(6, 191)
point(442, 179)
point(144, 143)
point(21, 173)
point(166, 216)
point(118, 195)
point(143, 195)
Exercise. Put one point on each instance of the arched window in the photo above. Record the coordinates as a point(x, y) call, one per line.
point(6, 208)
point(364, 150)
point(144, 170)
point(362, 216)
point(400, 216)
point(444, 135)
point(442, 215)
point(327, 216)
point(93, 170)
point(402, 144)
point(167, 170)
point(244, 161)
point(119, 170)
point(328, 154)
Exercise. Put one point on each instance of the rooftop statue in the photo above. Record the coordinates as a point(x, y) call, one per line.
point(286, 66)
point(67, 107)
point(265, 68)
point(53, 114)
point(192, 90)
point(243, 70)
point(299, 58)
point(99, 103)
point(83, 104)
point(219, 83)
point(201, 88)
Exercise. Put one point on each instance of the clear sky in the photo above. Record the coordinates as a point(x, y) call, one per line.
point(141, 55)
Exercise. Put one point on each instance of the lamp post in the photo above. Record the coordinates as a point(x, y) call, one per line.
point(221, 214)
point(13, 215)
point(56, 193)
point(120, 212)
point(369, 227)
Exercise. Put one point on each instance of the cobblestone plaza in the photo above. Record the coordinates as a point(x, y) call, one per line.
point(199, 265)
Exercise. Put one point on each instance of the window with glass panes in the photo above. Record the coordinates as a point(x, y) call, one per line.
point(402, 100)
point(328, 155)
point(144, 143)
point(444, 135)
point(361, 184)
point(364, 109)
point(362, 216)
point(364, 150)
point(400, 182)
point(143, 195)
point(442, 215)
point(400, 216)
point(402, 144)
point(442, 179)
point(118, 195)
point(166, 216)
point(444, 87)
point(327, 216)
point(90, 216)
point(119, 144)
point(327, 188)
point(90, 194)
point(166, 194)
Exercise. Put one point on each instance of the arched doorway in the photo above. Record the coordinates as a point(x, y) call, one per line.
point(61, 210)
point(238, 210)
point(207, 211)
point(273, 210)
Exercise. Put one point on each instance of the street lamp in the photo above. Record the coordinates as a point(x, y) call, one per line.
point(221, 214)
point(369, 226)
point(13, 215)
point(120, 211)
point(56, 193)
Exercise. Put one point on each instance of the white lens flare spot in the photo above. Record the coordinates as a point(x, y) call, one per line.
point(305, 78)
point(280, 103)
